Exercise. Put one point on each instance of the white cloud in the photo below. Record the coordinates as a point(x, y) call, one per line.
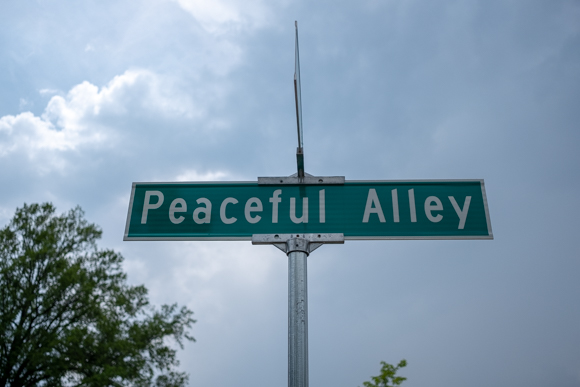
point(193, 175)
point(48, 91)
point(134, 88)
point(207, 271)
point(31, 134)
point(218, 16)
point(79, 120)
point(25, 104)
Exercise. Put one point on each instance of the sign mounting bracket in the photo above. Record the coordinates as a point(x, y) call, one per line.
point(306, 179)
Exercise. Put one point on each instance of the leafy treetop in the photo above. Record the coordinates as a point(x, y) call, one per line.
point(69, 318)
point(388, 375)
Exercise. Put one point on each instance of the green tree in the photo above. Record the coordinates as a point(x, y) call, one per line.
point(388, 375)
point(68, 316)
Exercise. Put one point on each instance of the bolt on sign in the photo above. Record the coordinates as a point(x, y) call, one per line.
point(428, 209)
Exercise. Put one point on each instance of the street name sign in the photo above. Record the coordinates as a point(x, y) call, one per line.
point(425, 209)
point(299, 213)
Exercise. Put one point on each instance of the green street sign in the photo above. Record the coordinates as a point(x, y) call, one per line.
point(433, 209)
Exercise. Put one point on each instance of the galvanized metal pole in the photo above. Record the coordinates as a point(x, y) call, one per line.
point(297, 250)
point(298, 247)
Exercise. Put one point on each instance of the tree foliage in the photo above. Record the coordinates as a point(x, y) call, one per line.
point(388, 375)
point(68, 316)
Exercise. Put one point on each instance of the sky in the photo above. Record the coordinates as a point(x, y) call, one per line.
point(96, 95)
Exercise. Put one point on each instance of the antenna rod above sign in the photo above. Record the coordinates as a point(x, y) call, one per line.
point(298, 99)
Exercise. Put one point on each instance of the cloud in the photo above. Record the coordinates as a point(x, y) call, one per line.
point(206, 273)
point(48, 91)
point(193, 175)
point(87, 117)
point(24, 104)
point(140, 89)
point(221, 16)
point(32, 135)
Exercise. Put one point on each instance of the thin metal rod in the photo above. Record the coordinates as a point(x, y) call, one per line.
point(298, 100)
point(297, 320)
point(297, 91)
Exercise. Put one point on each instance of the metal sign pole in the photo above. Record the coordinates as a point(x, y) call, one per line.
point(298, 247)
point(297, 251)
